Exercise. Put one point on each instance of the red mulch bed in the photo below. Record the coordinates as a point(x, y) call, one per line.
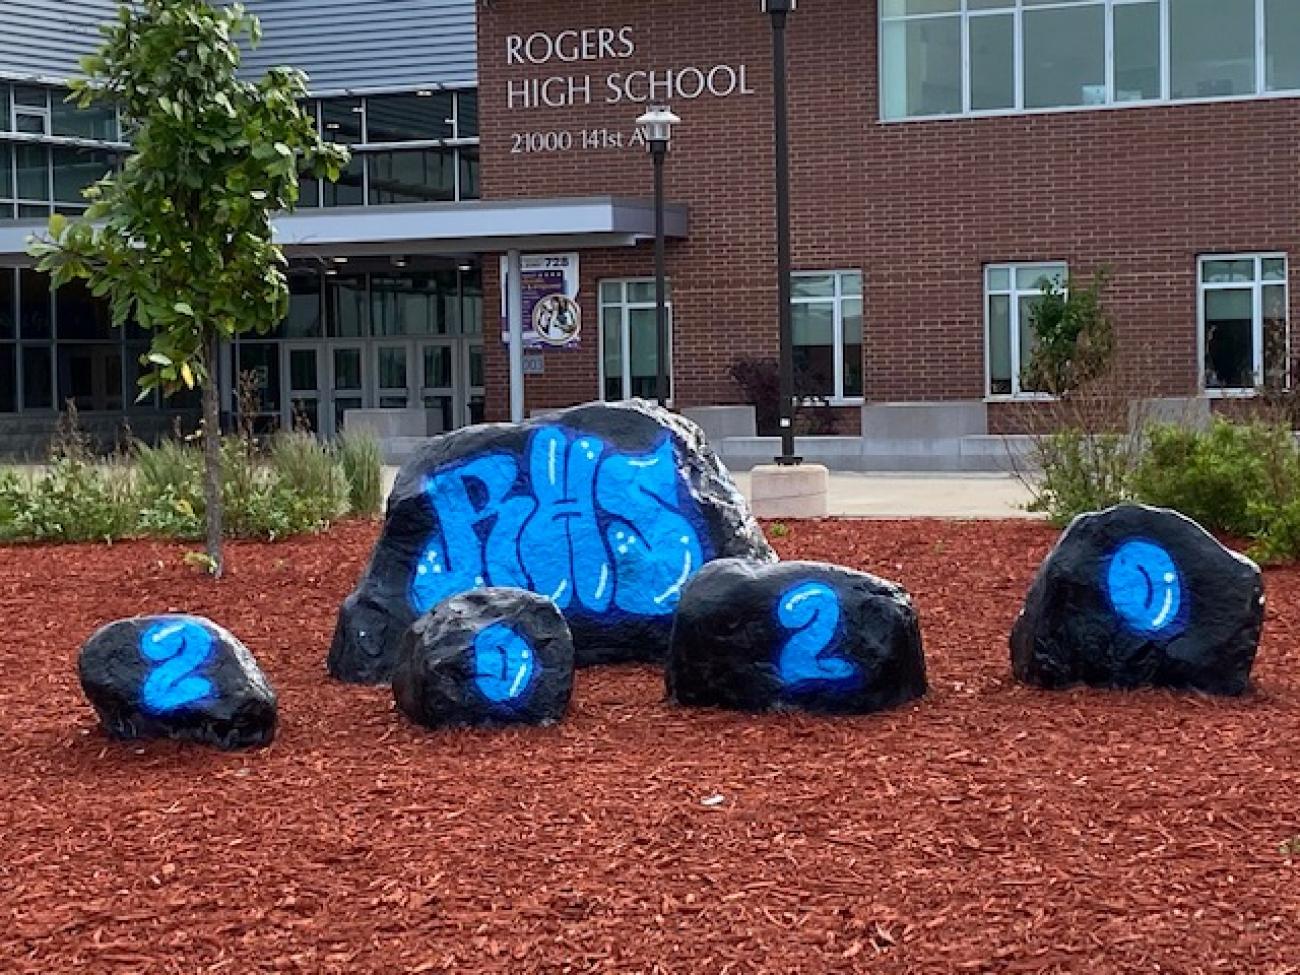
point(990, 828)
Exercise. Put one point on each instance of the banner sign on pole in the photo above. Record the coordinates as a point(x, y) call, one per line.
point(552, 315)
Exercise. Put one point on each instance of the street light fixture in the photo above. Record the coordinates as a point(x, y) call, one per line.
point(779, 9)
point(657, 127)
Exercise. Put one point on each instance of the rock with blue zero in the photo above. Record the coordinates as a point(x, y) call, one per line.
point(794, 636)
point(180, 677)
point(486, 657)
point(1140, 597)
point(607, 510)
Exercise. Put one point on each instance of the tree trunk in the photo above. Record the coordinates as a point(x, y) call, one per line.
point(212, 452)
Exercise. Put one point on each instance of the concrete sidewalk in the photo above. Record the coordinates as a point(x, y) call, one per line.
point(907, 495)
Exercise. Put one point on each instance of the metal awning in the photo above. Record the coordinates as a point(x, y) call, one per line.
point(443, 228)
point(475, 227)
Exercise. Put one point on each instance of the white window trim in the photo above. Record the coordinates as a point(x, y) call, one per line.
point(1015, 293)
point(1261, 93)
point(837, 301)
point(1257, 318)
point(625, 307)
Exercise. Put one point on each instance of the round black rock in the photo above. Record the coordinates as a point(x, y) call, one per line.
point(607, 509)
point(178, 677)
point(486, 657)
point(794, 636)
point(1140, 597)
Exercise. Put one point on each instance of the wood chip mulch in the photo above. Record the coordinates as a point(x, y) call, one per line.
point(989, 828)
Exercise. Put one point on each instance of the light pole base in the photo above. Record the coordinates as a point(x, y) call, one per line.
point(779, 491)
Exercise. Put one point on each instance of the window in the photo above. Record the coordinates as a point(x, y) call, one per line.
point(1010, 293)
point(953, 57)
point(1245, 339)
point(629, 348)
point(418, 147)
point(44, 170)
point(827, 325)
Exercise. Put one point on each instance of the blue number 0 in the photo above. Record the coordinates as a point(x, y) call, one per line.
point(812, 611)
point(179, 647)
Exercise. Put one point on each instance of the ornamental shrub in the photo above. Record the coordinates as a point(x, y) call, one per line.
point(1081, 472)
point(1233, 477)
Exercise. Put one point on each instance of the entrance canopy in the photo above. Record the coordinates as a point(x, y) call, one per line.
point(475, 227)
point(442, 228)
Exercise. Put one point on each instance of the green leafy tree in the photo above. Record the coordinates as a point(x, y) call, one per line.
point(1074, 337)
point(180, 239)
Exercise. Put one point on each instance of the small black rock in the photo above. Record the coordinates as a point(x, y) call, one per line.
point(794, 635)
point(486, 657)
point(607, 509)
point(1140, 597)
point(177, 677)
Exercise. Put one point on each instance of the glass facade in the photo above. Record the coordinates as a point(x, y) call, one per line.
point(370, 333)
point(60, 346)
point(50, 151)
point(955, 57)
point(416, 147)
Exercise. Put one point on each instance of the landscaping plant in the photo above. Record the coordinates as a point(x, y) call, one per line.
point(180, 239)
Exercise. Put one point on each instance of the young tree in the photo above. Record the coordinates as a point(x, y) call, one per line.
point(180, 239)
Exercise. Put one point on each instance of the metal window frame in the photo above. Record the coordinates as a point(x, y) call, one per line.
point(1256, 287)
point(837, 301)
point(626, 307)
point(1014, 324)
point(1017, 9)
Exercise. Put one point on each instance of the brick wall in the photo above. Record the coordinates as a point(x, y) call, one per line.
point(919, 207)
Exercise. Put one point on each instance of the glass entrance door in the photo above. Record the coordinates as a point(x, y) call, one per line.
point(475, 398)
point(438, 384)
point(302, 374)
point(347, 382)
point(393, 375)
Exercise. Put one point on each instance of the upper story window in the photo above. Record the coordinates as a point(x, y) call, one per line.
point(958, 57)
point(50, 151)
point(413, 147)
point(1243, 315)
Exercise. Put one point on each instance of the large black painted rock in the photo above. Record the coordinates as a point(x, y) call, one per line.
point(1140, 597)
point(177, 677)
point(607, 509)
point(486, 657)
point(795, 635)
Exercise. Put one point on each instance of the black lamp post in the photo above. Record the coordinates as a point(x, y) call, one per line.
point(657, 127)
point(779, 9)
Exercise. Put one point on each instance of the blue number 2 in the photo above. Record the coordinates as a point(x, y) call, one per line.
point(812, 611)
point(179, 647)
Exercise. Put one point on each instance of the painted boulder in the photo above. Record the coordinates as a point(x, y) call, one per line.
point(794, 636)
point(1140, 597)
point(486, 657)
point(177, 677)
point(606, 509)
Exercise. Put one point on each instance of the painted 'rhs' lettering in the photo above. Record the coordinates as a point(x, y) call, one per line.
point(600, 530)
point(812, 611)
point(503, 663)
point(179, 647)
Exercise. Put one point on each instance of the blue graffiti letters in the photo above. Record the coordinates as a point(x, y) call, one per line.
point(591, 528)
point(503, 663)
point(812, 611)
point(560, 545)
point(1145, 587)
point(454, 560)
point(655, 550)
point(179, 647)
